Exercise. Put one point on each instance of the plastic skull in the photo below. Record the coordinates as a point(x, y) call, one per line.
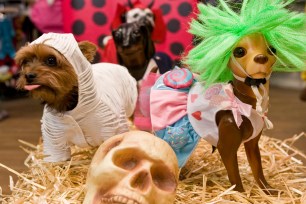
point(133, 168)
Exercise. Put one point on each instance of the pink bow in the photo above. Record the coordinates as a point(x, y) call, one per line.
point(238, 107)
point(231, 102)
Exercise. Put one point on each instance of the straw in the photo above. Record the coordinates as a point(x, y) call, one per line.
point(203, 179)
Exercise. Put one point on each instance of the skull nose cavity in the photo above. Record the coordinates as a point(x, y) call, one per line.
point(261, 59)
point(141, 181)
point(30, 77)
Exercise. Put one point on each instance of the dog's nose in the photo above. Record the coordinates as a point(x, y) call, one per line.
point(30, 77)
point(261, 59)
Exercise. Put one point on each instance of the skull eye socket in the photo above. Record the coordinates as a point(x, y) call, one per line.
point(127, 159)
point(128, 163)
point(239, 52)
point(163, 178)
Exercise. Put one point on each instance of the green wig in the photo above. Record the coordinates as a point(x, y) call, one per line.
point(219, 29)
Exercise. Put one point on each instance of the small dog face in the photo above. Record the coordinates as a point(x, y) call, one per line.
point(255, 57)
point(49, 76)
point(129, 38)
point(134, 46)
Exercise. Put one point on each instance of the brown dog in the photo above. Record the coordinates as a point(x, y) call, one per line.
point(135, 48)
point(49, 76)
point(226, 114)
point(84, 104)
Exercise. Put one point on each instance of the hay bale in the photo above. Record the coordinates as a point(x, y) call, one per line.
point(205, 178)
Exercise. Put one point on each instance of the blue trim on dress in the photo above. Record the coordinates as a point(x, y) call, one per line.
point(181, 137)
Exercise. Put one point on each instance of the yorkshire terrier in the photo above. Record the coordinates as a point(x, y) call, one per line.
point(49, 76)
point(84, 103)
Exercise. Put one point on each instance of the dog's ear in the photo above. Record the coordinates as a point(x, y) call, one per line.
point(88, 49)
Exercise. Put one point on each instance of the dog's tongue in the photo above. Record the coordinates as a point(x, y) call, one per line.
point(31, 87)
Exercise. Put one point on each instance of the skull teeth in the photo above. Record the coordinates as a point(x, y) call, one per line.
point(118, 200)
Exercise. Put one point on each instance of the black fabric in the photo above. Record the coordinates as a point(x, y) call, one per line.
point(163, 62)
point(254, 82)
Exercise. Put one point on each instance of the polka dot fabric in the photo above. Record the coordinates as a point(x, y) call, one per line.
point(177, 15)
point(91, 20)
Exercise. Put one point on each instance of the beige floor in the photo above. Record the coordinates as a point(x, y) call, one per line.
point(287, 113)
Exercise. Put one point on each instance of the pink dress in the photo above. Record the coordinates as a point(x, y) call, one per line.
point(183, 110)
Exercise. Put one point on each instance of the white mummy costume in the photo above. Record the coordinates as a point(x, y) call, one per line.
point(107, 96)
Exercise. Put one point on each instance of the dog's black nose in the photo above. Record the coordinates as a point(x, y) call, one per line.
point(261, 59)
point(30, 77)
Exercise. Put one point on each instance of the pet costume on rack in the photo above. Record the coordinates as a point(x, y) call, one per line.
point(7, 34)
point(47, 15)
point(107, 96)
point(183, 109)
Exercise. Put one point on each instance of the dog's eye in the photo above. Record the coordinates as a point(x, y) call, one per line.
point(271, 51)
point(150, 15)
point(239, 52)
point(51, 61)
point(135, 15)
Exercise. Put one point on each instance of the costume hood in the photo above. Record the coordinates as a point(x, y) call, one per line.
point(67, 46)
